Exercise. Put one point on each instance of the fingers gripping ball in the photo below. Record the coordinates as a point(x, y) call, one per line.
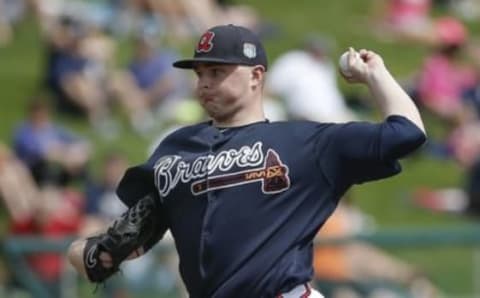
point(343, 62)
point(127, 234)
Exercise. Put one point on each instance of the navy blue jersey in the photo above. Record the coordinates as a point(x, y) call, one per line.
point(244, 204)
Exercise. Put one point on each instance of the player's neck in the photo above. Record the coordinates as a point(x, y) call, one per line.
point(241, 121)
point(251, 112)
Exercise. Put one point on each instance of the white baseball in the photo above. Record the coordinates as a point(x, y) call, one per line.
point(343, 64)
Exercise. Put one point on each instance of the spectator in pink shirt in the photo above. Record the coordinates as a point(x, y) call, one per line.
point(443, 79)
point(405, 20)
point(407, 13)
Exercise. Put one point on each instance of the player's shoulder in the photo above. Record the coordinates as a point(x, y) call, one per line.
point(294, 125)
point(301, 128)
point(173, 136)
point(186, 131)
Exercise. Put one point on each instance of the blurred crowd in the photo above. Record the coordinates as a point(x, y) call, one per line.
point(47, 184)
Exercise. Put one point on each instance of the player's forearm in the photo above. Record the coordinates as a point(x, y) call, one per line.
point(391, 97)
point(75, 256)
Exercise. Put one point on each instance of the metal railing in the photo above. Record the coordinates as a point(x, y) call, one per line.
point(16, 248)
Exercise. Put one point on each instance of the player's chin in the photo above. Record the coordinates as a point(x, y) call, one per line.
point(211, 106)
point(215, 114)
point(219, 114)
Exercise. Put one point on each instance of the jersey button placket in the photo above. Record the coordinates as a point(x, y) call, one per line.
point(207, 230)
point(205, 234)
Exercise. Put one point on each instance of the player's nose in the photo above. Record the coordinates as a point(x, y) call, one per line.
point(203, 83)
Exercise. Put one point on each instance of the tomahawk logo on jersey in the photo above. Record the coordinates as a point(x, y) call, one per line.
point(272, 173)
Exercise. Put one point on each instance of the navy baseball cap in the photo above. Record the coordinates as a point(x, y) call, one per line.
point(228, 44)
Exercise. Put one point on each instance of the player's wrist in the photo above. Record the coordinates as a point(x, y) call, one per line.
point(377, 76)
point(75, 255)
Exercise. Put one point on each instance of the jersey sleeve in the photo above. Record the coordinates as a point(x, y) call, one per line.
point(136, 183)
point(139, 182)
point(358, 152)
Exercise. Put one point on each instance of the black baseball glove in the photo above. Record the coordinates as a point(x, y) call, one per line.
point(140, 227)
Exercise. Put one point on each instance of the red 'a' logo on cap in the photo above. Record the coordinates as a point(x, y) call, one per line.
point(205, 43)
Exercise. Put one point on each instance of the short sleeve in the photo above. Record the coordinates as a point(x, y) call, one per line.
point(139, 180)
point(358, 152)
point(136, 183)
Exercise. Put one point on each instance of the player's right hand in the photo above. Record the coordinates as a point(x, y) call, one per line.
point(363, 66)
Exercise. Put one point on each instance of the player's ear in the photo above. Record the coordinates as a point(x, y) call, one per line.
point(257, 75)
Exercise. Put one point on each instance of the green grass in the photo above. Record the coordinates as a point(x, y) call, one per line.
point(20, 66)
point(387, 201)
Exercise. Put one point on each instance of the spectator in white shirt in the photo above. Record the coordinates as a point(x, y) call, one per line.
point(306, 80)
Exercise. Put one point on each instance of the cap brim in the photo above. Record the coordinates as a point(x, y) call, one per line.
point(190, 63)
